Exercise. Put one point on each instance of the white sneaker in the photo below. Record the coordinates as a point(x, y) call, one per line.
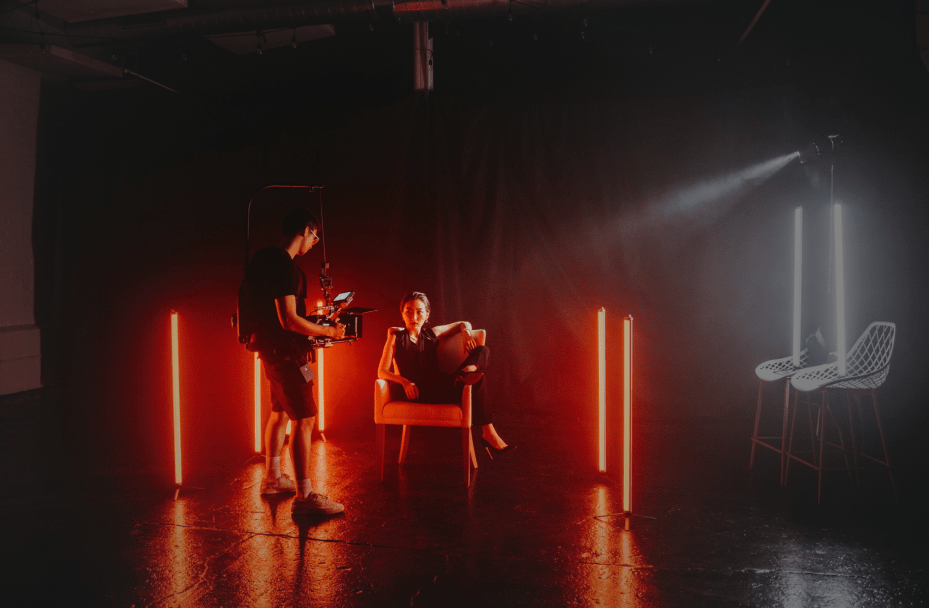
point(281, 485)
point(316, 504)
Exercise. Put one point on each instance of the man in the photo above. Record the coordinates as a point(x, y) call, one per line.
point(277, 291)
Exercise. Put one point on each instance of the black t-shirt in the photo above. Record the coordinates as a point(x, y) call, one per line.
point(272, 274)
point(418, 361)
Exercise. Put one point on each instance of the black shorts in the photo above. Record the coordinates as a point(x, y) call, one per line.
point(289, 391)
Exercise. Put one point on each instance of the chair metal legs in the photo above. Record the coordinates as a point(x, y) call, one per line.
point(819, 441)
point(880, 429)
point(765, 441)
point(817, 445)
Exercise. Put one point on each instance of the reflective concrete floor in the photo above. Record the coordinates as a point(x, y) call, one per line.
point(537, 528)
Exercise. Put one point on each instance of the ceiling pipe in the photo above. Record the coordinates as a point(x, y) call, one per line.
point(173, 23)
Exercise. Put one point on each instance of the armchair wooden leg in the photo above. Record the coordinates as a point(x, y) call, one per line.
point(380, 451)
point(467, 448)
point(404, 443)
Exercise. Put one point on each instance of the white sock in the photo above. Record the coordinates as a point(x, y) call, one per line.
point(304, 488)
point(273, 467)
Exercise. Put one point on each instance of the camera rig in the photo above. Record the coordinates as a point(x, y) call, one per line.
point(332, 311)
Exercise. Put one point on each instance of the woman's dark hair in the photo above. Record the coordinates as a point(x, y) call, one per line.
point(297, 220)
point(415, 295)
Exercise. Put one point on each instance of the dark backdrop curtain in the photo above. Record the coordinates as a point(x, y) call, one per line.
point(522, 217)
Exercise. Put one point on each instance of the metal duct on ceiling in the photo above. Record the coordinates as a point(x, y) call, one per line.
point(327, 12)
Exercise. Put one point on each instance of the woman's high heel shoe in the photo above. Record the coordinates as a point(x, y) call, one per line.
point(491, 450)
point(468, 378)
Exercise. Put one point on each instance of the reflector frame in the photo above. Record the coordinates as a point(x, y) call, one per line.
point(176, 394)
point(601, 388)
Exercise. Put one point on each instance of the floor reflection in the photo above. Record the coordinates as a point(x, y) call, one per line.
point(180, 559)
point(835, 581)
point(617, 561)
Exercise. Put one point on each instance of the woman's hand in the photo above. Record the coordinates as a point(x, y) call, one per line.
point(412, 392)
point(468, 339)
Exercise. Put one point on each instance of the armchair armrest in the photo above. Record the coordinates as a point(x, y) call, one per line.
point(381, 398)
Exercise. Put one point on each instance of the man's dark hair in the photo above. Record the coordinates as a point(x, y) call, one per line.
point(297, 220)
point(415, 295)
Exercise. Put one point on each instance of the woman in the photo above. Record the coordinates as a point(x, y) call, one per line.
point(415, 350)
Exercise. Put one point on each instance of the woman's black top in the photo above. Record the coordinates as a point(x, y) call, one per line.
point(418, 361)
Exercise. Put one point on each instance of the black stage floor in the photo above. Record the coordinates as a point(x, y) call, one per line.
point(537, 528)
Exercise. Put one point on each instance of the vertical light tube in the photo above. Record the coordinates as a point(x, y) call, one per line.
point(627, 413)
point(175, 373)
point(321, 384)
point(257, 405)
point(601, 393)
point(840, 289)
point(798, 282)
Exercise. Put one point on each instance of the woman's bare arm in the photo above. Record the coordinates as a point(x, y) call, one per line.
point(384, 368)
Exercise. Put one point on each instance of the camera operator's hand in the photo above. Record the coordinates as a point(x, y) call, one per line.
point(337, 331)
point(411, 390)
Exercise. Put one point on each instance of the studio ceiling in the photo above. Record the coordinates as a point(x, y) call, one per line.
point(191, 45)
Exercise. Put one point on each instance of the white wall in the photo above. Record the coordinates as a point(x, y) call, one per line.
point(20, 353)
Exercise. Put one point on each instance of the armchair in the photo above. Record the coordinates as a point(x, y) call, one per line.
point(406, 413)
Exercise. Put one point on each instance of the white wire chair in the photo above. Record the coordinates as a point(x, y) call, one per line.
point(775, 370)
point(867, 366)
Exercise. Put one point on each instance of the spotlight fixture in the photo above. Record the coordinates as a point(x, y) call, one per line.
point(828, 146)
point(811, 152)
